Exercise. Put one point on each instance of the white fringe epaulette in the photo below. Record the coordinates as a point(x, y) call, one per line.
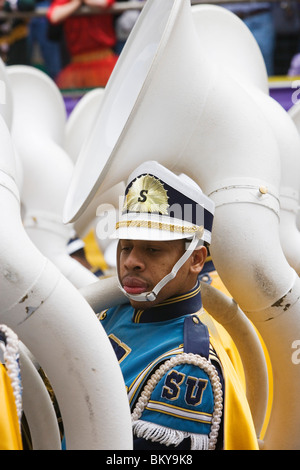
point(168, 436)
point(11, 361)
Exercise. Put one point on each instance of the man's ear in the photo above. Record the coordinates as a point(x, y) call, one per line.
point(198, 259)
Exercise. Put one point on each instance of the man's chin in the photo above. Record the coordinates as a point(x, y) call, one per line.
point(140, 305)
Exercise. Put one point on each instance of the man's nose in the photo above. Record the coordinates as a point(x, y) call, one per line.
point(135, 260)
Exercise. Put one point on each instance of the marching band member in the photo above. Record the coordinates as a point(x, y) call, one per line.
point(183, 390)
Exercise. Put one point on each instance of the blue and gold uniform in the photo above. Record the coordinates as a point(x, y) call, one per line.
point(180, 408)
point(182, 398)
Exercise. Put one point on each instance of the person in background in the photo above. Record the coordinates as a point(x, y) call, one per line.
point(90, 40)
point(287, 23)
point(76, 249)
point(49, 48)
point(14, 32)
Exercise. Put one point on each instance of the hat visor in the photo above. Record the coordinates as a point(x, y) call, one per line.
point(137, 227)
point(130, 233)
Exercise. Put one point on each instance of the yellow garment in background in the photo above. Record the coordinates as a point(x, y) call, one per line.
point(10, 435)
point(227, 341)
point(234, 356)
point(92, 252)
point(239, 430)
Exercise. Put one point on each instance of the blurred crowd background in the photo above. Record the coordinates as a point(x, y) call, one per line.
point(73, 44)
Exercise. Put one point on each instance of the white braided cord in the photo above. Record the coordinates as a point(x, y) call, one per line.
point(196, 360)
point(11, 360)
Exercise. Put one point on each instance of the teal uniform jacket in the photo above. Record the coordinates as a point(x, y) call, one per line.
point(179, 410)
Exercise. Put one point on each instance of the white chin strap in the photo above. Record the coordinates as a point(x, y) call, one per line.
point(150, 296)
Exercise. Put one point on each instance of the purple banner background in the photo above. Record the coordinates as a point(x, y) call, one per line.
point(281, 94)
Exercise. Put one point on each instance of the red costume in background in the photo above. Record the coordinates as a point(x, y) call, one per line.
point(89, 40)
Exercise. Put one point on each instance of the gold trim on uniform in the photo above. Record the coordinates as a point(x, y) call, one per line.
point(174, 300)
point(160, 226)
point(125, 348)
point(178, 412)
point(144, 374)
point(102, 315)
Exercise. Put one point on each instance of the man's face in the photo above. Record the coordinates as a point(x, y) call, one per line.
point(142, 264)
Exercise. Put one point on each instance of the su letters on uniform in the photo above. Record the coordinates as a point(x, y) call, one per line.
point(194, 387)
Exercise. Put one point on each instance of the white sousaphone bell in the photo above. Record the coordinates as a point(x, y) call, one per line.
point(6, 111)
point(60, 330)
point(80, 121)
point(6, 106)
point(168, 100)
point(38, 122)
point(35, 400)
point(79, 124)
point(293, 214)
point(250, 71)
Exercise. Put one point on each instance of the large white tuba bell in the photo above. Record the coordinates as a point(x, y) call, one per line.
point(135, 90)
point(250, 71)
point(167, 100)
point(105, 207)
point(6, 101)
point(294, 113)
point(288, 139)
point(80, 121)
point(38, 123)
point(6, 111)
point(78, 127)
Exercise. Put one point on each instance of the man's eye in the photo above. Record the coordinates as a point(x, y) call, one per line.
point(153, 250)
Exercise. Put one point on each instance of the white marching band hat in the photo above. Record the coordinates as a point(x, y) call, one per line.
point(160, 205)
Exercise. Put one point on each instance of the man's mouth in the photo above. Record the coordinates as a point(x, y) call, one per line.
point(134, 286)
